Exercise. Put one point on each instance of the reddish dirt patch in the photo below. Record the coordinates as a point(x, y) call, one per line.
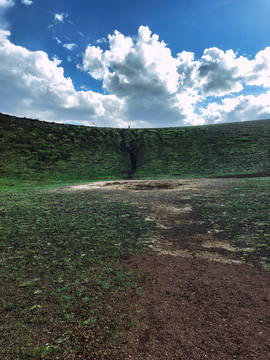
point(195, 309)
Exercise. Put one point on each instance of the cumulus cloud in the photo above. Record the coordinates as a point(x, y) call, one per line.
point(146, 63)
point(221, 73)
point(27, 2)
point(259, 72)
point(240, 108)
point(38, 87)
point(144, 74)
point(144, 84)
point(187, 69)
point(156, 86)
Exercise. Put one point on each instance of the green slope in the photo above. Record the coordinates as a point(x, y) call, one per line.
point(32, 150)
point(224, 149)
point(37, 151)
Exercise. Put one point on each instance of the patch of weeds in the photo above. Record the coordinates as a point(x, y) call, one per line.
point(9, 307)
point(133, 323)
point(117, 279)
point(65, 299)
point(265, 264)
point(35, 308)
point(145, 327)
point(31, 282)
point(241, 214)
point(61, 268)
point(68, 318)
point(38, 320)
point(65, 337)
point(90, 321)
point(39, 352)
point(37, 292)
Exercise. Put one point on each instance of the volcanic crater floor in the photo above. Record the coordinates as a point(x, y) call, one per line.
point(199, 299)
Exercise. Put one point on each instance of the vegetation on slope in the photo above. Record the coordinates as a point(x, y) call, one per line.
point(35, 151)
point(235, 148)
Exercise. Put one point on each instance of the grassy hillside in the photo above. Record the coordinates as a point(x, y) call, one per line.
point(36, 151)
point(32, 150)
point(224, 149)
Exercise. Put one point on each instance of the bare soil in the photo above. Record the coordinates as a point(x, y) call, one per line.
point(198, 299)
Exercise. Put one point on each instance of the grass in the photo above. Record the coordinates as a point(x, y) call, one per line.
point(60, 277)
point(33, 152)
point(241, 214)
point(214, 150)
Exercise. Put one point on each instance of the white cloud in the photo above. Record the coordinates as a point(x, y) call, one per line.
point(60, 17)
point(70, 46)
point(38, 87)
point(144, 74)
point(4, 34)
point(187, 70)
point(221, 73)
point(27, 2)
point(157, 86)
point(259, 74)
point(145, 84)
point(240, 108)
point(6, 3)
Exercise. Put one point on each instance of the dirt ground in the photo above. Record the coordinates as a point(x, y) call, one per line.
point(201, 301)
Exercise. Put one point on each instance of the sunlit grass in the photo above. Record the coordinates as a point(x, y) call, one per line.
point(36, 152)
point(59, 270)
point(241, 214)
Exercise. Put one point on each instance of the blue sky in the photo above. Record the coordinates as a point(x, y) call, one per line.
point(146, 63)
